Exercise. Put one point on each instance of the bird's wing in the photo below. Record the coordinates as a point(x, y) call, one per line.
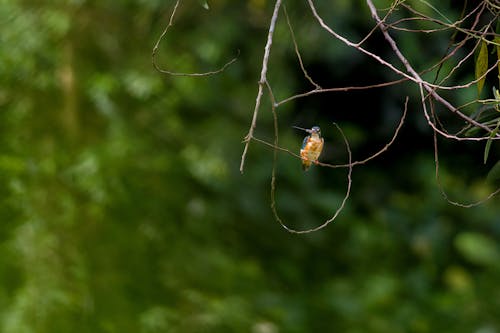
point(304, 143)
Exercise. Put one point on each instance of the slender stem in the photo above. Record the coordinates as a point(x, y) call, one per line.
point(262, 82)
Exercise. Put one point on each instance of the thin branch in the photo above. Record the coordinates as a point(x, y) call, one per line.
point(460, 63)
point(297, 52)
point(343, 89)
point(386, 147)
point(375, 28)
point(262, 81)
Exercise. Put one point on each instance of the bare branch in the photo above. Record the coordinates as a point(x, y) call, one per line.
point(262, 81)
point(343, 89)
point(297, 52)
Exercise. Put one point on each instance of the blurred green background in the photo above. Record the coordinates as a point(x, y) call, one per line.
point(122, 208)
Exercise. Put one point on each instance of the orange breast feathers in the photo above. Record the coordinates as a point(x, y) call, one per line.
point(311, 151)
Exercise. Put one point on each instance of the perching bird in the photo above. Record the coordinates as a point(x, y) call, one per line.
point(311, 146)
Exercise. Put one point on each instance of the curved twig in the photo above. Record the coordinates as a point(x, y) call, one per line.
point(441, 187)
point(386, 147)
point(337, 212)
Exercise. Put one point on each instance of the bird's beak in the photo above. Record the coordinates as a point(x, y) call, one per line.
point(304, 129)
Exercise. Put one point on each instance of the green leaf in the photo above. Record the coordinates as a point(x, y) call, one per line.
point(481, 65)
point(204, 4)
point(477, 248)
point(488, 143)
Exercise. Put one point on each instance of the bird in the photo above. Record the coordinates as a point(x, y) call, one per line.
point(311, 146)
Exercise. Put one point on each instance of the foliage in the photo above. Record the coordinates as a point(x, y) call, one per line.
point(123, 209)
